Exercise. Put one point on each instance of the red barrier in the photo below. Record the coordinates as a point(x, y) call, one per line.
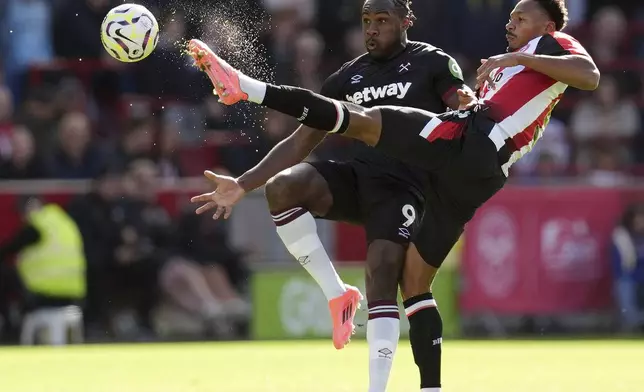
point(542, 250)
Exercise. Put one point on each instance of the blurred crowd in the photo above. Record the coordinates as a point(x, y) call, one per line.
point(69, 111)
point(138, 273)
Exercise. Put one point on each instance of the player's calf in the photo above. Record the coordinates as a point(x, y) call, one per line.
point(291, 195)
point(383, 268)
point(425, 323)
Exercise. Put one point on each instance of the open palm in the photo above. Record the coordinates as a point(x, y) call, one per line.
point(226, 194)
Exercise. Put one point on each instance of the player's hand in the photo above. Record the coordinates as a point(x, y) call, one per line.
point(492, 63)
point(226, 194)
point(466, 99)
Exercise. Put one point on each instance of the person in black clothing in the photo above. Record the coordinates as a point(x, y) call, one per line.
point(96, 216)
point(383, 194)
point(24, 163)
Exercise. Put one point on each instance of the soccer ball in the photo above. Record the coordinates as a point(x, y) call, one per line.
point(129, 32)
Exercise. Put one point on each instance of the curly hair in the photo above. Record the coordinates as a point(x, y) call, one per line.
point(556, 10)
point(403, 7)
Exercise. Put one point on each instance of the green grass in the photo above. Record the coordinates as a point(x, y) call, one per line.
point(517, 366)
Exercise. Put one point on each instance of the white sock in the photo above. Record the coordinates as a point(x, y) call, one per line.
point(298, 231)
point(255, 89)
point(383, 332)
point(430, 390)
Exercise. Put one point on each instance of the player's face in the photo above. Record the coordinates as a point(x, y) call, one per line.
point(527, 21)
point(383, 32)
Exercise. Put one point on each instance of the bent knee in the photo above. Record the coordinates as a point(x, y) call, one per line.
point(298, 186)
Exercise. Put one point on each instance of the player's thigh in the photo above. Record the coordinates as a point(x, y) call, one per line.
point(342, 184)
point(393, 213)
point(436, 237)
point(418, 137)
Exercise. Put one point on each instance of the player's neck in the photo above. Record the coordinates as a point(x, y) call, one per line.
point(396, 51)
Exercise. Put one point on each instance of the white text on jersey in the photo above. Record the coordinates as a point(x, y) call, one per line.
point(398, 90)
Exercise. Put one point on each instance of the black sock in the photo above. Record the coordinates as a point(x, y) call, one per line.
point(426, 338)
point(312, 110)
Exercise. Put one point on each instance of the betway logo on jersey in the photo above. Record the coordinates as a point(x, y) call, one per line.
point(398, 90)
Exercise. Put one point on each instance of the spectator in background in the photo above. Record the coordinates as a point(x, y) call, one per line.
point(309, 49)
point(39, 114)
point(550, 157)
point(25, 39)
point(609, 26)
point(205, 241)
point(144, 261)
point(605, 119)
point(6, 121)
point(50, 265)
point(166, 152)
point(96, 216)
point(606, 168)
point(76, 156)
point(23, 164)
point(627, 256)
point(136, 143)
point(75, 27)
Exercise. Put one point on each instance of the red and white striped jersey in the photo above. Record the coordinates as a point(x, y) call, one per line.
point(522, 99)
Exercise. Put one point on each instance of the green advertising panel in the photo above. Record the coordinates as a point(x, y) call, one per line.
point(288, 304)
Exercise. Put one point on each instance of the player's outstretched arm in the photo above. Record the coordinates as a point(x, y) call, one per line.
point(228, 190)
point(575, 70)
point(289, 152)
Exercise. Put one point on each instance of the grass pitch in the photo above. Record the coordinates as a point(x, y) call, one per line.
point(311, 366)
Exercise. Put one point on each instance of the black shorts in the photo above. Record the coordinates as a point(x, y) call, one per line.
point(462, 163)
point(388, 209)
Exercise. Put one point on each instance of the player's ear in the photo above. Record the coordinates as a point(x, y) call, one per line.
point(407, 23)
point(551, 27)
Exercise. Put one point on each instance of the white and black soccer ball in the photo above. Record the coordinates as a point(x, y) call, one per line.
point(129, 32)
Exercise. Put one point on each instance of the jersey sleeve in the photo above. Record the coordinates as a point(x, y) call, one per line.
point(559, 44)
point(448, 77)
point(332, 86)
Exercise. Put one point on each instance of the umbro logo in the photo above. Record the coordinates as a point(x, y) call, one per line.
point(355, 79)
point(385, 353)
point(404, 232)
point(304, 260)
point(403, 67)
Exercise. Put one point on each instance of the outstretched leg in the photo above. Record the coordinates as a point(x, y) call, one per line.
point(313, 110)
point(412, 135)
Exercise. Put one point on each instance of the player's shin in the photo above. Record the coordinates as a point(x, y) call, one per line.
point(425, 335)
point(297, 229)
point(310, 109)
point(383, 332)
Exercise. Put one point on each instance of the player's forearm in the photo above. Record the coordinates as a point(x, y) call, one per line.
point(574, 70)
point(290, 151)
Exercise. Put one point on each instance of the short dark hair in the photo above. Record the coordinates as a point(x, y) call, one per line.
point(557, 11)
point(404, 9)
